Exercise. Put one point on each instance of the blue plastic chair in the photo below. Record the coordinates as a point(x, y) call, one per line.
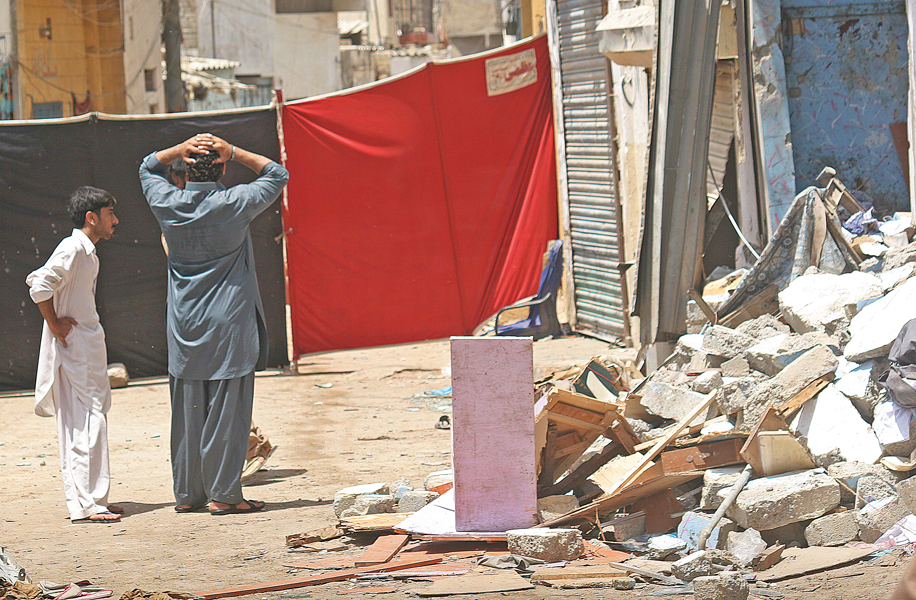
point(542, 308)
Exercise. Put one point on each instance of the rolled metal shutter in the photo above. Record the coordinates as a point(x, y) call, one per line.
point(590, 176)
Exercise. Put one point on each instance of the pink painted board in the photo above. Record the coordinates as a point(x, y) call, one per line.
point(493, 445)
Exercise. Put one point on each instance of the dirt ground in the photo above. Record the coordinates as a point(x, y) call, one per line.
point(349, 417)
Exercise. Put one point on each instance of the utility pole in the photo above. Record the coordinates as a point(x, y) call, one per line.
point(171, 39)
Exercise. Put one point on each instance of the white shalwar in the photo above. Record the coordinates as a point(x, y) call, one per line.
point(72, 382)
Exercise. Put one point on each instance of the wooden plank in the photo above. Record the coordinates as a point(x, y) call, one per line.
point(460, 536)
point(574, 422)
point(317, 535)
point(382, 550)
point(607, 476)
point(289, 584)
point(574, 412)
point(476, 583)
point(578, 449)
point(595, 553)
point(791, 406)
point(621, 431)
point(380, 522)
point(702, 456)
point(492, 401)
point(625, 497)
point(549, 456)
point(799, 561)
point(557, 395)
point(771, 421)
point(667, 439)
point(582, 472)
point(571, 572)
point(780, 453)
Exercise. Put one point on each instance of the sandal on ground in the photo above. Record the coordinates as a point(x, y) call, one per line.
point(105, 518)
point(114, 508)
point(253, 506)
point(189, 508)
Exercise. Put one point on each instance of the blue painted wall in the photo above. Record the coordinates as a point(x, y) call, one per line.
point(846, 78)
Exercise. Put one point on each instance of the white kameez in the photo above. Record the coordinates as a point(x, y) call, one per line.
point(72, 382)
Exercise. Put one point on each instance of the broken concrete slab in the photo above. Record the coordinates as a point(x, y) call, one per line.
point(876, 326)
point(814, 363)
point(715, 479)
point(346, 497)
point(735, 393)
point(735, 367)
point(849, 473)
point(551, 507)
point(725, 586)
point(549, 545)
point(670, 402)
point(834, 430)
point(818, 302)
point(763, 327)
point(870, 488)
point(438, 478)
point(707, 381)
point(697, 564)
point(726, 342)
point(413, 500)
point(832, 530)
point(371, 504)
point(778, 500)
point(852, 378)
point(877, 517)
point(764, 356)
point(693, 523)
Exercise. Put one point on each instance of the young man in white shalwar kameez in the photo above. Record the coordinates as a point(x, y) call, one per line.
point(72, 382)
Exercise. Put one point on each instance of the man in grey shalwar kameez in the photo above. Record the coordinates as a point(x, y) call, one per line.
point(215, 325)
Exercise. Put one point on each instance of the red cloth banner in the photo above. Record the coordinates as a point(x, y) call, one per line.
point(419, 206)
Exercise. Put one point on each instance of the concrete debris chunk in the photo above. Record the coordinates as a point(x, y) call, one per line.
point(693, 522)
point(117, 375)
point(876, 518)
point(346, 497)
point(715, 479)
point(735, 393)
point(551, 507)
point(852, 379)
point(414, 500)
point(735, 367)
point(437, 478)
point(778, 500)
point(849, 473)
point(669, 402)
point(765, 357)
point(707, 381)
point(697, 564)
point(400, 485)
point(832, 530)
point(870, 488)
point(835, 431)
point(623, 583)
point(371, 504)
point(549, 545)
point(661, 547)
point(726, 342)
point(788, 382)
point(818, 302)
point(876, 326)
point(763, 327)
point(746, 545)
point(725, 586)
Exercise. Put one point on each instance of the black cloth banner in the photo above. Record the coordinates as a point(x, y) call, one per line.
point(42, 163)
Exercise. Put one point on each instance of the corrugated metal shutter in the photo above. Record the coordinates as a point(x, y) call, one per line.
point(590, 176)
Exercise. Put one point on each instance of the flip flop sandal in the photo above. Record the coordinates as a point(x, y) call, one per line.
point(89, 519)
point(189, 509)
point(253, 506)
point(444, 422)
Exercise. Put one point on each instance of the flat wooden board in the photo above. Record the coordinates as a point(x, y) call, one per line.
point(610, 502)
point(382, 550)
point(800, 561)
point(476, 583)
point(317, 535)
point(657, 566)
point(368, 523)
point(594, 553)
point(702, 456)
point(288, 584)
point(571, 572)
point(454, 549)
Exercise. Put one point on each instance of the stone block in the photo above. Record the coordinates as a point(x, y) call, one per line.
point(764, 356)
point(346, 497)
point(715, 479)
point(875, 328)
point(371, 504)
point(551, 507)
point(735, 367)
point(549, 545)
point(832, 530)
point(697, 564)
point(763, 327)
point(725, 586)
point(818, 302)
point(414, 500)
point(834, 430)
point(726, 342)
point(117, 375)
point(771, 502)
point(788, 382)
point(849, 473)
point(670, 402)
point(693, 522)
point(707, 381)
point(437, 478)
point(876, 518)
point(623, 583)
point(870, 488)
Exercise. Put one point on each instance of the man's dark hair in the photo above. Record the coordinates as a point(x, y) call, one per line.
point(205, 167)
point(86, 199)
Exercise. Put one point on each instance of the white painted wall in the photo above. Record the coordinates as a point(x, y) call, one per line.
point(142, 50)
point(300, 51)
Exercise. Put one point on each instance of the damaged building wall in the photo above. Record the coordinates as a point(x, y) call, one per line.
point(846, 80)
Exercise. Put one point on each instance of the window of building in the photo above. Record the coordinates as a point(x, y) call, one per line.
point(303, 6)
point(149, 78)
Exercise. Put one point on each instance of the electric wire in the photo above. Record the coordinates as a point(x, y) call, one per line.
point(728, 212)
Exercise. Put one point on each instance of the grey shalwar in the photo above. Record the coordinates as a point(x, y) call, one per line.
point(215, 326)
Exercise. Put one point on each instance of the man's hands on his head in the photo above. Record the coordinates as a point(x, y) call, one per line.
point(203, 142)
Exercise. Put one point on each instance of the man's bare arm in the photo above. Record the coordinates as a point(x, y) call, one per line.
point(60, 327)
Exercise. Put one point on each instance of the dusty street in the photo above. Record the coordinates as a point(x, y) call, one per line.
point(349, 417)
